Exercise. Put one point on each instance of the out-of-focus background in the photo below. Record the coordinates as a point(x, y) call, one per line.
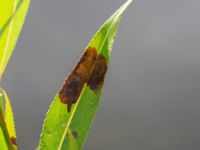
point(151, 98)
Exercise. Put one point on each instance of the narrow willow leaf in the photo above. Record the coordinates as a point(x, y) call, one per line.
point(9, 117)
point(12, 15)
point(5, 141)
point(3, 144)
point(76, 103)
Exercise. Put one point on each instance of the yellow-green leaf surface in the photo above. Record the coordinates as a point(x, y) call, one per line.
point(59, 123)
point(12, 15)
point(3, 144)
point(72, 141)
point(5, 141)
point(9, 118)
point(7, 123)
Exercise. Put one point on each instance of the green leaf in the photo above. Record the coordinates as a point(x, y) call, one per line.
point(8, 127)
point(12, 15)
point(5, 141)
point(9, 117)
point(3, 144)
point(77, 117)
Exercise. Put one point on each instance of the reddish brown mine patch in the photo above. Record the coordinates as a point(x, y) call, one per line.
point(97, 75)
point(83, 68)
point(74, 84)
point(13, 140)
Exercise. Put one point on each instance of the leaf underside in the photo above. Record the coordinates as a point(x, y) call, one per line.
point(62, 120)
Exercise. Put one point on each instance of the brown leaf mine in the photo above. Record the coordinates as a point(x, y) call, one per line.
point(71, 90)
point(74, 84)
point(97, 75)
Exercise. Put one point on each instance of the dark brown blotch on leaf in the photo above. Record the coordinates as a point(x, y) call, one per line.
point(83, 68)
point(71, 90)
point(75, 134)
point(13, 140)
point(74, 84)
point(97, 75)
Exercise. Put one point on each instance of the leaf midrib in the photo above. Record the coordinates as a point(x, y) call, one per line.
point(70, 119)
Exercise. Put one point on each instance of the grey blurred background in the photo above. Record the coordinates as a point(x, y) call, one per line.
point(151, 98)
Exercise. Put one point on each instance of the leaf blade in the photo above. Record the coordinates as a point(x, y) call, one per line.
point(13, 13)
point(5, 141)
point(9, 117)
point(7, 121)
point(80, 117)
